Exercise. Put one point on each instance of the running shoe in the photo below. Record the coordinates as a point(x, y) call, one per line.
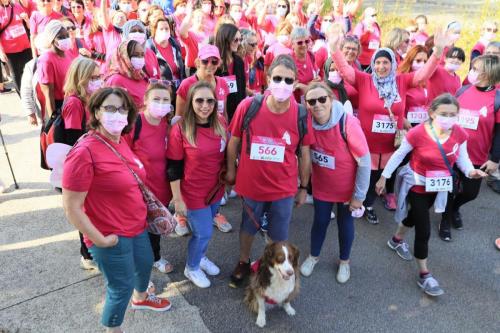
point(221, 223)
point(370, 216)
point(163, 266)
point(88, 264)
point(181, 228)
point(209, 267)
point(344, 272)
point(400, 248)
point(307, 266)
point(444, 231)
point(198, 277)
point(430, 286)
point(390, 201)
point(152, 302)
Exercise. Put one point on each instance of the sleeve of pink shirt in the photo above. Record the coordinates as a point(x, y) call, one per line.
point(356, 138)
point(424, 73)
point(72, 113)
point(78, 170)
point(346, 71)
point(175, 150)
point(46, 71)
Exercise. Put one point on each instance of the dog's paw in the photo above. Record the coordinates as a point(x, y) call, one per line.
point(289, 310)
point(261, 321)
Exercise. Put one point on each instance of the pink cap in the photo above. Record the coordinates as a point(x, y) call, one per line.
point(207, 51)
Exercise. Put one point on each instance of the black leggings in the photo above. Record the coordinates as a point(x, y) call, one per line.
point(469, 189)
point(418, 217)
point(155, 245)
point(16, 63)
point(374, 177)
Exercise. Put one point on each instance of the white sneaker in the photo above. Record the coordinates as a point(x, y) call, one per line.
point(197, 277)
point(181, 227)
point(223, 201)
point(332, 215)
point(307, 266)
point(344, 272)
point(309, 199)
point(232, 194)
point(88, 264)
point(209, 267)
point(163, 265)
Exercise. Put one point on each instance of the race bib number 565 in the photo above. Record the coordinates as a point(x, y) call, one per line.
point(267, 149)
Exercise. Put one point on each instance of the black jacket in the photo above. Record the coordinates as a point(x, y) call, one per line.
point(235, 98)
point(165, 70)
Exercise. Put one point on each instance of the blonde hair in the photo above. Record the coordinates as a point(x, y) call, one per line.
point(491, 67)
point(188, 125)
point(395, 38)
point(78, 77)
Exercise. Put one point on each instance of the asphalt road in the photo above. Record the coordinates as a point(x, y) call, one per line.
point(43, 290)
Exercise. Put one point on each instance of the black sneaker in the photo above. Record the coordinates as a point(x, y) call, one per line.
point(457, 221)
point(371, 217)
point(444, 231)
point(240, 274)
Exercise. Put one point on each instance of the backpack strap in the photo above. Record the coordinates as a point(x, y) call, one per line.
point(462, 90)
point(137, 128)
point(302, 126)
point(249, 115)
point(342, 126)
point(497, 101)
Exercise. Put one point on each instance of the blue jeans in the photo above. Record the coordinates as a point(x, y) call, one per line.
point(322, 210)
point(125, 266)
point(279, 215)
point(201, 224)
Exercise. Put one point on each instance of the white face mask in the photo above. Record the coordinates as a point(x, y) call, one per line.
point(324, 26)
point(180, 10)
point(206, 8)
point(159, 110)
point(236, 16)
point(488, 36)
point(283, 39)
point(137, 63)
point(162, 36)
point(415, 66)
point(281, 12)
point(472, 77)
point(126, 7)
point(114, 123)
point(139, 37)
point(334, 77)
point(451, 67)
point(64, 44)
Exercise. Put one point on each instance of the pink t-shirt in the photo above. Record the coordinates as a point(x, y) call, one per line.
point(151, 64)
point(14, 38)
point(73, 111)
point(426, 156)
point(306, 72)
point(38, 21)
point(419, 38)
point(221, 90)
point(260, 178)
point(417, 101)
point(114, 202)
point(52, 69)
point(112, 40)
point(136, 89)
point(442, 82)
point(151, 149)
point(202, 164)
point(478, 118)
point(334, 167)
point(191, 45)
point(372, 106)
point(370, 42)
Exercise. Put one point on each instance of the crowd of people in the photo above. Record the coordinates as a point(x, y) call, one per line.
point(273, 101)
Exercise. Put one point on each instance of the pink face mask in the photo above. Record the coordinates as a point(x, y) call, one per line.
point(94, 86)
point(472, 77)
point(206, 8)
point(334, 77)
point(281, 91)
point(451, 67)
point(415, 66)
point(139, 37)
point(64, 44)
point(446, 122)
point(114, 122)
point(159, 110)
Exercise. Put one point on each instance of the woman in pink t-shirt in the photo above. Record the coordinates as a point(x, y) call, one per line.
point(304, 59)
point(369, 34)
point(102, 199)
point(340, 161)
point(39, 19)
point(127, 71)
point(427, 181)
point(195, 155)
point(381, 105)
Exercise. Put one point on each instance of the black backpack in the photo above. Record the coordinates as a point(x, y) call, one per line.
point(497, 96)
point(255, 107)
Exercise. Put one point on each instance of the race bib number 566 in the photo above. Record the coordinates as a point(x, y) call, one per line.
point(267, 149)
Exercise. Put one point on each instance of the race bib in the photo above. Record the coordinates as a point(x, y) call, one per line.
point(468, 119)
point(417, 115)
point(323, 160)
point(373, 45)
point(384, 124)
point(438, 181)
point(220, 106)
point(16, 31)
point(267, 149)
point(231, 82)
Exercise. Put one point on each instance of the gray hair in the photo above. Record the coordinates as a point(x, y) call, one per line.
point(351, 39)
point(283, 60)
point(494, 44)
point(299, 32)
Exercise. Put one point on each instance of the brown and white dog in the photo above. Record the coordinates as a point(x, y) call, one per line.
point(274, 280)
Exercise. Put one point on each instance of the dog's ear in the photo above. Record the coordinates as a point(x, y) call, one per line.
point(295, 254)
point(268, 255)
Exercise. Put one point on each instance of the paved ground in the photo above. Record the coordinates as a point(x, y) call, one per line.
point(44, 290)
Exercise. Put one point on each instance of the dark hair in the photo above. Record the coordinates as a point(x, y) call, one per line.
point(456, 52)
point(421, 16)
point(284, 60)
point(223, 39)
point(80, 2)
point(287, 6)
point(98, 98)
point(131, 47)
point(443, 99)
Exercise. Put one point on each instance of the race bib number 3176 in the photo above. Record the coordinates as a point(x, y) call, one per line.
point(438, 181)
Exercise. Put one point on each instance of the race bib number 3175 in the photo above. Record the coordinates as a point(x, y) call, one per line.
point(383, 124)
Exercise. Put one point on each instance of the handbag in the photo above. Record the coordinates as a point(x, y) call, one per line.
point(160, 220)
point(400, 133)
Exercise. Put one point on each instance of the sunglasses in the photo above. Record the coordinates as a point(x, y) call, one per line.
point(374, 15)
point(164, 82)
point(237, 40)
point(278, 79)
point(492, 30)
point(252, 44)
point(209, 101)
point(312, 101)
point(281, 6)
point(328, 20)
point(72, 28)
point(214, 61)
point(301, 42)
point(46, 1)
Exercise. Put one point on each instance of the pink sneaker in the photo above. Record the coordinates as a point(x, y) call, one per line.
point(390, 201)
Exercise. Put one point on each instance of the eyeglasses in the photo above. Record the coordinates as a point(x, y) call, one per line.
point(164, 82)
point(492, 30)
point(237, 40)
point(281, 6)
point(328, 20)
point(214, 61)
point(201, 101)
point(252, 44)
point(278, 79)
point(301, 42)
point(72, 28)
point(45, 1)
point(312, 101)
point(114, 109)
